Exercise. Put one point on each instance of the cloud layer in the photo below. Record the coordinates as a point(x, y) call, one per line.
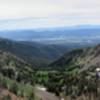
point(48, 13)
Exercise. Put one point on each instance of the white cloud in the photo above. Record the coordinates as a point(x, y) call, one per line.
point(48, 13)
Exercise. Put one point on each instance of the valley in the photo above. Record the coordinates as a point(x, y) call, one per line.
point(49, 49)
point(38, 71)
point(34, 53)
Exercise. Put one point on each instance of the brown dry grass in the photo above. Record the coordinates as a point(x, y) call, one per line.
point(5, 92)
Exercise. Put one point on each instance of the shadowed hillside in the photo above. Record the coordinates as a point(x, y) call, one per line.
point(84, 59)
point(34, 53)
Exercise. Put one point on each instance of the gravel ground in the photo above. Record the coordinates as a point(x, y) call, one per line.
point(44, 95)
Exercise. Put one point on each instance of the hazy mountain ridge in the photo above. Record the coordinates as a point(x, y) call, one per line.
point(80, 35)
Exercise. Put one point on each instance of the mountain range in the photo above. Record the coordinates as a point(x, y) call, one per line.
point(68, 35)
point(42, 46)
point(53, 65)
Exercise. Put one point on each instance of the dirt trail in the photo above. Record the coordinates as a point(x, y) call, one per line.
point(44, 95)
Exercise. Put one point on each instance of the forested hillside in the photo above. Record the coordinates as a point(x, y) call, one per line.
point(33, 53)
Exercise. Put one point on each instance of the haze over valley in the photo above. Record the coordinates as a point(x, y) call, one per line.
point(79, 35)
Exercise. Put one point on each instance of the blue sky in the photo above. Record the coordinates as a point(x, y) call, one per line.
point(16, 14)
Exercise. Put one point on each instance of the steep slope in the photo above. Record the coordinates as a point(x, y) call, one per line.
point(79, 70)
point(34, 53)
point(84, 59)
point(14, 67)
